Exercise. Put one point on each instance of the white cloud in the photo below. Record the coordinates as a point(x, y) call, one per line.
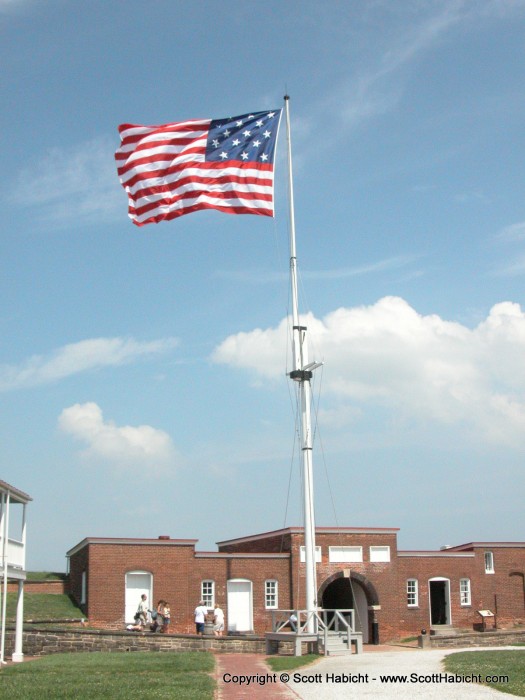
point(74, 358)
point(265, 277)
point(425, 368)
point(140, 447)
point(377, 86)
point(512, 233)
point(76, 184)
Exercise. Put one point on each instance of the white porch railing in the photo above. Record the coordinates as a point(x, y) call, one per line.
point(15, 554)
point(336, 620)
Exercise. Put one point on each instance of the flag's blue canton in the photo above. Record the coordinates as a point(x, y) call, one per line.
point(248, 138)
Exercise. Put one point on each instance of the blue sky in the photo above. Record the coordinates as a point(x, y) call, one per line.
point(142, 371)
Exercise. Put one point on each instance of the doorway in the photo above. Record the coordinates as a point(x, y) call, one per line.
point(240, 605)
point(137, 583)
point(439, 591)
point(344, 593)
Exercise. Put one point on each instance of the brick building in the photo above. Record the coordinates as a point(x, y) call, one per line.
point(361, 568)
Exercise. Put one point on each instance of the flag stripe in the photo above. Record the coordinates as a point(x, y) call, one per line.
point(204, 185)
point(154, 200)
point(170, 211)
point(174, 169)
point(205, 172)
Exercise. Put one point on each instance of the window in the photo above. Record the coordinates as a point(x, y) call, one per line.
point(464, 591)
point(489, 563)
point(83, 588)
point(208, 593)
point(317, 555)
point(380, 553)
point(270, 594)
point(412, 593)
point(345, 554)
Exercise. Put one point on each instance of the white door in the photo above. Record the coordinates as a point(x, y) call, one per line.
point(240, 605)
point(361, 611)
point(137, 583)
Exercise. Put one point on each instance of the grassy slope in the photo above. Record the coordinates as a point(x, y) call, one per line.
point(44, 606)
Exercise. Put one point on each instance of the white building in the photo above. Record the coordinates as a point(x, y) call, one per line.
point(13, 504)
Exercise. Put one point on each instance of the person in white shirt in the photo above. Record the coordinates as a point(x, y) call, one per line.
point(218, 620)
point(141, 616)
point(201, 612)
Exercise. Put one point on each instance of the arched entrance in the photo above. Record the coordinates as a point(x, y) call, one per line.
point(350, 590)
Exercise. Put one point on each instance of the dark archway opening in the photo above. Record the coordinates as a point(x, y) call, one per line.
point(341, 593)
point(338, 594)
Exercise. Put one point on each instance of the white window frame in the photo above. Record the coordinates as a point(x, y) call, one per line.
point(208, 593)
point(271, 594)
point(318, 555)
point(489, 562)
point(465, 596)
point(380, 553)
point(412, 593)
point(345, 554)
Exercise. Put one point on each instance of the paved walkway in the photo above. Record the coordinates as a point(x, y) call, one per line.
point(243, 676)
point(246, 676)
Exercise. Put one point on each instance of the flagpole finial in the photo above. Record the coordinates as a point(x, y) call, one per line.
point(287, 97)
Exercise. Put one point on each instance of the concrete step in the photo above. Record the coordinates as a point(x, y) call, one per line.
point(443, 630)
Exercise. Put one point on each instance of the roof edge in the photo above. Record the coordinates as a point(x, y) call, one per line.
point(319, 530)
point(141, 541)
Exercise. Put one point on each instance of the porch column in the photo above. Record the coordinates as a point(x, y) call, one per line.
point(17, 654)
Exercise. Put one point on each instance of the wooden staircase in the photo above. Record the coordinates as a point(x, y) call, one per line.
point(337, 643)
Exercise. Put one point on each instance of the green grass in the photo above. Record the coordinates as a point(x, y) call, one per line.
point(44, 606)
point(119, 676)
point(46, 576)
point(288, 663)
point(492, 663)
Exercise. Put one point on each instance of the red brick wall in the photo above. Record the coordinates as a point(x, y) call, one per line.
point(381, 575)
point(56, 587)
point(413, 620)
point(499, 592)
point(177, 577)
point(178, 573)
point(270, 544)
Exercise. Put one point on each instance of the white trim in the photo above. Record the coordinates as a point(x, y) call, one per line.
point(273, 594)
point(436, 579)
point(441, 555)
point(489, 569)
point(206, 596)
point(383, 550)
point(415, 592)
point(318, 554)
point(345, 554)
point(465, 595)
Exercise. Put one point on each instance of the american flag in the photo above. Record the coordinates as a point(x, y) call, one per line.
point(174, 169)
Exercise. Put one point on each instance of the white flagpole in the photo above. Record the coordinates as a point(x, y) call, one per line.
point(302, 373)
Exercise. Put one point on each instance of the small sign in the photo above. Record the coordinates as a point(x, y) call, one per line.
point(486, 613)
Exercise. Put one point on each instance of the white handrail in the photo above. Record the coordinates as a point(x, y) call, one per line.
point(302, 621)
